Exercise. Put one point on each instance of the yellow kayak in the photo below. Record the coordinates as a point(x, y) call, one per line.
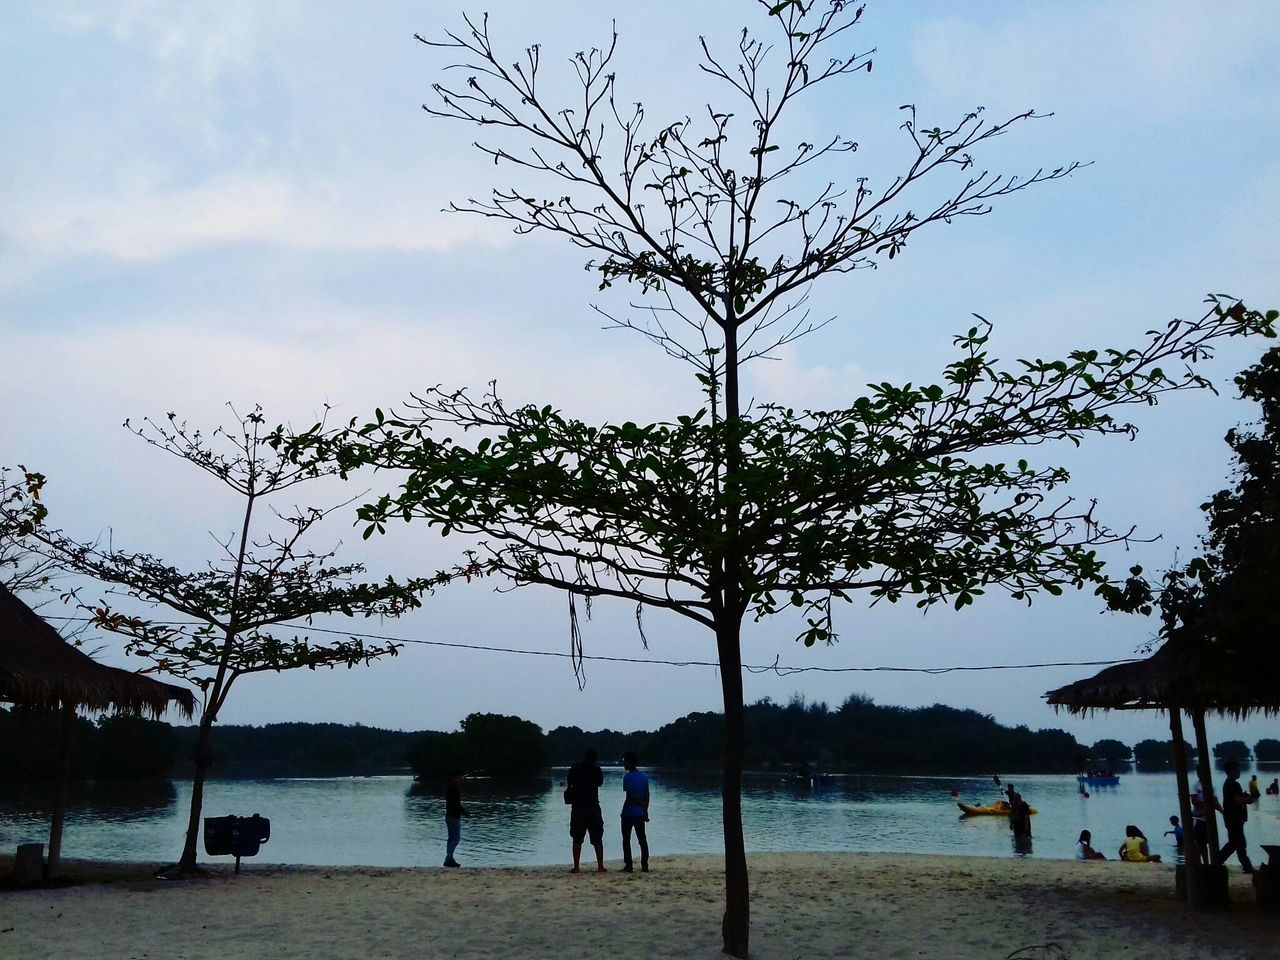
point(998, 809)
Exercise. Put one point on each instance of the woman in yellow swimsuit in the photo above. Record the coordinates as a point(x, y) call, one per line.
point(1135, 849)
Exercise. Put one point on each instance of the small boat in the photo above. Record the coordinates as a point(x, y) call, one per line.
point(1098, 779)
point(998, 809)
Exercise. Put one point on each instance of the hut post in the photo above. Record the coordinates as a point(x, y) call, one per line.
point(1205, 772)
point(1190, 849)
point(60, 788)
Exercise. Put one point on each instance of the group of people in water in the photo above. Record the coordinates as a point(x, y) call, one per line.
point(1234, 807)
point(586, 820)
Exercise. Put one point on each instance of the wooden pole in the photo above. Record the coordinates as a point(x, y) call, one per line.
point(1205, 770)
point(60, 789)
point(1190, 849)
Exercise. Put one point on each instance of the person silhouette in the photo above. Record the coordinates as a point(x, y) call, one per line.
point(454, 811)
point(585, 820)
point(635, 812)
point(1235, 811)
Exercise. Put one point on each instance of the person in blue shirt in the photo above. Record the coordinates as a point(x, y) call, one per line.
point(635, 812)
point(1176, 832)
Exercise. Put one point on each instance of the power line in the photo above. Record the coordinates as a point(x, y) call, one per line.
point(782, 670)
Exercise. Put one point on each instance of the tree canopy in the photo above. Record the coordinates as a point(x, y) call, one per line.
point(734, 509)
point(241, 612)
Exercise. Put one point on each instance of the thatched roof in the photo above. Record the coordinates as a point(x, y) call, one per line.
point(40, 669)
point(1185, 676)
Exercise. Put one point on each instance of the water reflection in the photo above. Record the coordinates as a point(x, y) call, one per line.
point(388, 821)
point(506, 816)
point(119, 800)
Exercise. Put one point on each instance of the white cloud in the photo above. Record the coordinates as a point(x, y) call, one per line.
point(789, 381)
point(145, 220)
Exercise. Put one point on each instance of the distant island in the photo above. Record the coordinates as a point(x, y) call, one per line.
point(857, 737)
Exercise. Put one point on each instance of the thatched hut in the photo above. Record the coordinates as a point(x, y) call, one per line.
point(39, 669)
point(1195, 678)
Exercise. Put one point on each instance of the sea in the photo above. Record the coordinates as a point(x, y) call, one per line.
point(390, 821)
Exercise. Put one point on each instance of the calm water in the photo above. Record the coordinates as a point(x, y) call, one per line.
point(384, 821)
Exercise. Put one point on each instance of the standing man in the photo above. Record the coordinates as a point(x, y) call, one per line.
point(454, 811)
point(635, 811)
point(1200, 810)
point(1235, 811)
point(583, 783)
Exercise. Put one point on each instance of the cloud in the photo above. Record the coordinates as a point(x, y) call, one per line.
point(790, 381)
point(145, 220)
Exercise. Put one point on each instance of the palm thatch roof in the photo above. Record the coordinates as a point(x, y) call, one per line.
point(40, 669)
point(1192, 676)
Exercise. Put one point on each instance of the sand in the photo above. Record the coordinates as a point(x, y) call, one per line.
point(804, 906)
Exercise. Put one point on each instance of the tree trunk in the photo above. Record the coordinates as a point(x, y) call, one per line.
point(203, 755)
point(1205, 772)
point(737, 903)
point(1190, 849)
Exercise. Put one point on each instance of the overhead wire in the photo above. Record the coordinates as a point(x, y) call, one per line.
point(777, 667)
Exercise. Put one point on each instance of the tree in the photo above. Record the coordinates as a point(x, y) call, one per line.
point(1221, 604)
point(237, 610)
point(1158, 753)
point(21, 569)
point(503, 746)
point(1231, 750)
point(732, 510)
point(1111, 751)
point(1267, 749)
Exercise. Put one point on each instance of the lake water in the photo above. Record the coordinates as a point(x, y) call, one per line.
point(385, 821)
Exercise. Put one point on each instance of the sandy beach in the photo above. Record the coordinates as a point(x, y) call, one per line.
point(803, 906)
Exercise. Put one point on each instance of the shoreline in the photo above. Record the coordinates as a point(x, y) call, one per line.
point(804, 905)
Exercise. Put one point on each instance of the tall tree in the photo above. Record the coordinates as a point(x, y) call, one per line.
point(1222, 601)
point(731, 510)
point(239, 613)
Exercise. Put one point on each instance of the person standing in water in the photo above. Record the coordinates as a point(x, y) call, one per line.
point(635, 812)
point(454, 811)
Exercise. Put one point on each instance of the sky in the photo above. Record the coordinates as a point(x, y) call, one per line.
point(243, 202)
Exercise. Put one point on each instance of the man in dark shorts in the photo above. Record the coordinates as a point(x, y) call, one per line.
point(584, 782)
point(1235, 811)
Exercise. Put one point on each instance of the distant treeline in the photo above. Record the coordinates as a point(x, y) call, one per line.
point(858, 736)
point(112, 748)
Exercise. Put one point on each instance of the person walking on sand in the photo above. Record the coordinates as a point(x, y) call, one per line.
point(585, 819)
point(454, 811)
point(1235, 811)
point(635, 812)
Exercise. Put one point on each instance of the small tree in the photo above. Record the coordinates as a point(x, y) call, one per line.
point(731, 511)
point(1110, 750)
point(238, 609)
point(1158, 753)
point(1231, 750)
point(1267, 749)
